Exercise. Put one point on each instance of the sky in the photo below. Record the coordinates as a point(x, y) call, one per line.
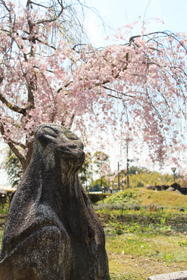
point(117, 13)
point(106, 16)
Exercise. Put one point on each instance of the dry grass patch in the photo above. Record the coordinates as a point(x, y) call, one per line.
point(133, 256)
point(162, 198)
point(138, 268)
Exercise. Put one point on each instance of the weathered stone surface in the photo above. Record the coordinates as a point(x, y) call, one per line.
point(179, 275)
point(52, 232)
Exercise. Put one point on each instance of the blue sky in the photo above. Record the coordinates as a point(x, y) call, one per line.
point(117, 13)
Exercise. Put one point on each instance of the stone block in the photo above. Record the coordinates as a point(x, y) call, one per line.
point(179, 275)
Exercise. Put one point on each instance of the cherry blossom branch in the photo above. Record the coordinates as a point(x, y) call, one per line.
point(5, 5)
point(52, 19)
point(21, 145)
point(65, 86)
point(117, 91)
point(165, 100)
point(116, 97)
point(30, 88)
point(54, 110)
point(31, 26)
point(11, 106)
point(166, 33)
point(16, 152)
point(71, 120)
point(45, 43)
point(12, 146)
point(152, 105)
point(37, 4)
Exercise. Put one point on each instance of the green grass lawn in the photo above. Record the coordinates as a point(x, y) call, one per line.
point(145, 240)
point(137, 251)
point(137, 256)
point(144, 197)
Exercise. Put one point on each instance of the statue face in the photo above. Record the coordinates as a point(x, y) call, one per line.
point(62, 141)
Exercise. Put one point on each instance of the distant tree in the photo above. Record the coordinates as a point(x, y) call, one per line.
point(138, 170)
point(101, 162)
point(13, 168)
point(96, 184)
point(86, 172)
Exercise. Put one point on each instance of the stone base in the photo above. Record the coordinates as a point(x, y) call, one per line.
point(179, 275)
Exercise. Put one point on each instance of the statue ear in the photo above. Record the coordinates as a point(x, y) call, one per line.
point(46, 136)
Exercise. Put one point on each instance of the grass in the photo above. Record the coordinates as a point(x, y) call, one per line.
point(144, 197)
point(139, 256)
point(162, 198)
point(145, 233)
point(169, 249)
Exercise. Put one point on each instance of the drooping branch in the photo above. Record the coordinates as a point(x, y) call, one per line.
point(53, 19)
point(165, 33)
point(5, 5)
point(45, 43)
point(37, 4)
point(150, 101)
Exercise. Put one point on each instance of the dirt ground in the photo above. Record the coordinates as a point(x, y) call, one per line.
point(139, 268)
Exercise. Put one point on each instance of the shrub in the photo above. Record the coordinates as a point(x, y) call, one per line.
point(95, 197)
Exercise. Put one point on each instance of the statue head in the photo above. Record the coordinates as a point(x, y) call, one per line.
point(56, 141)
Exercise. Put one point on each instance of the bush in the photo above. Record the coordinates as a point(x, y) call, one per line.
point(95, 197)
point(13, 168)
